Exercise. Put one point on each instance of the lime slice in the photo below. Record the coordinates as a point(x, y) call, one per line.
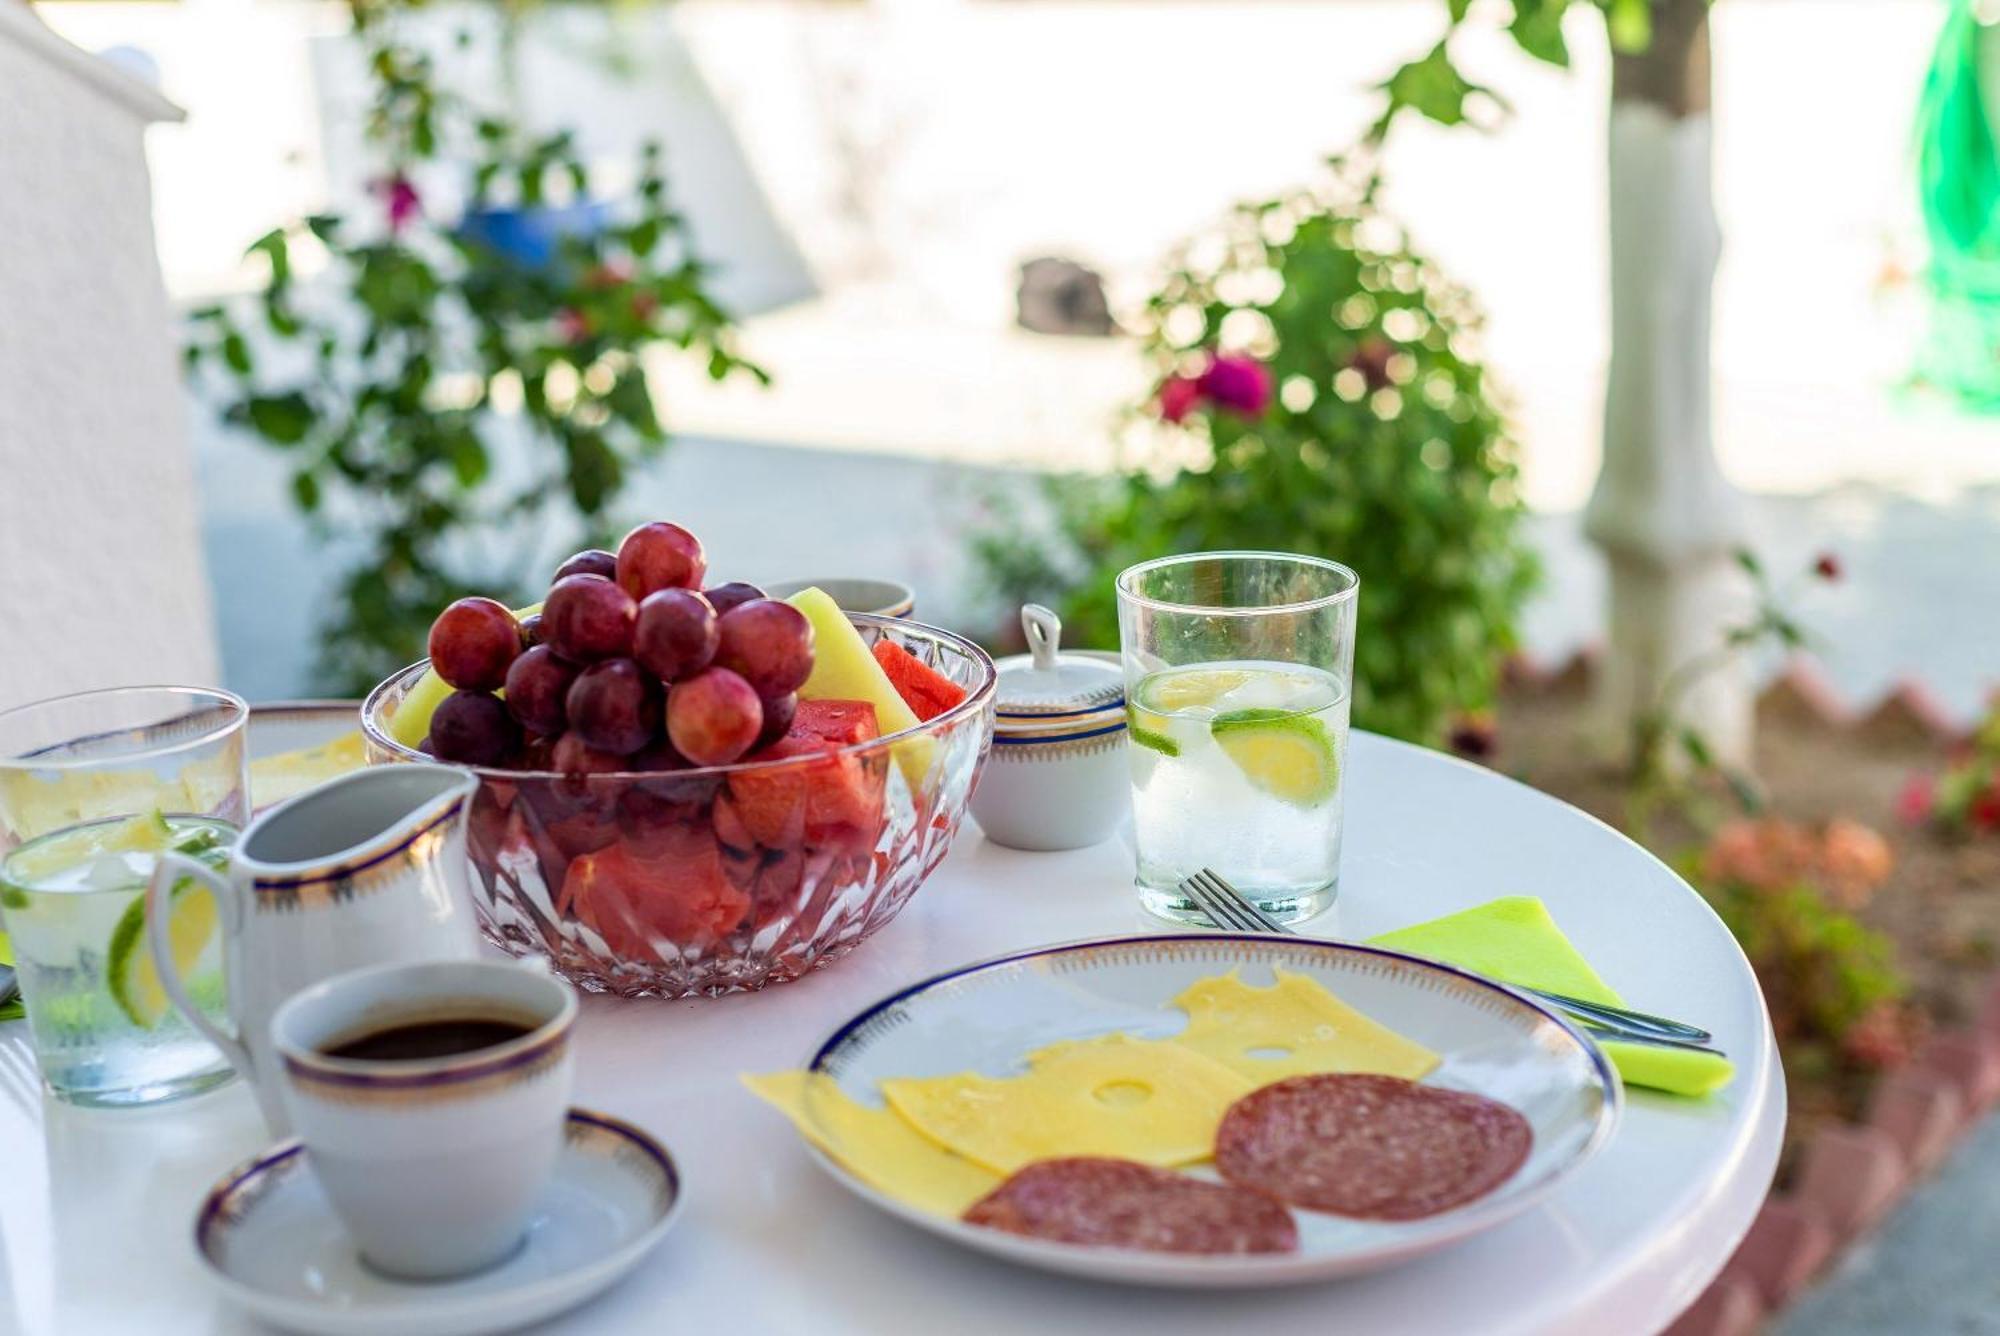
point(1284, 753)
point(1189, 689)
point(49, 858)
point(135, 984)
point(1147, 737)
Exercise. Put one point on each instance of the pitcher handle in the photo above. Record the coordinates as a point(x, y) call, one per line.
point(172, 867)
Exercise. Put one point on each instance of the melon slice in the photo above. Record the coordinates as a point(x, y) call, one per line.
point(843, 669)
point(411, 723)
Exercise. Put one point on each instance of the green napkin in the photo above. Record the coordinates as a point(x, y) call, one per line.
point(1515, 941)
point(11, 1010)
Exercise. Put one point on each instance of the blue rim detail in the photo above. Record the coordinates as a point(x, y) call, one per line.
point(1116, 704)
point(243, 1175)
point(1606, 1075)
point(1043, 740)
point(402, 846)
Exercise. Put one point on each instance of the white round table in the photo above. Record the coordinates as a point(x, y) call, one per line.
point(96, 1207)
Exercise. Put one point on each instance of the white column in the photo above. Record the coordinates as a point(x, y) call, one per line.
point(1662, 512)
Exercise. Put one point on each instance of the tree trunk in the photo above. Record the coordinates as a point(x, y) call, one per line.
point(1661, 512)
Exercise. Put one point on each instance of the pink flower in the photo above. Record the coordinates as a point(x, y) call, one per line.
point(1914, 803)
point(1854, 860)
point(1177, 398)
point(1827, 567)
point(1240, 385)
point(401, 200)
point(572, 324)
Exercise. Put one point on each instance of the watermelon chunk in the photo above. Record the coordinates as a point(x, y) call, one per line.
point(842, 722)
point(673, 898)
point(836, 799)
point(926, 691)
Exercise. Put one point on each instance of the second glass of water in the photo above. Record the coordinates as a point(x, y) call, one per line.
point(1238, 669)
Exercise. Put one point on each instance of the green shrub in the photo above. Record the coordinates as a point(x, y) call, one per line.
point(1379, 443)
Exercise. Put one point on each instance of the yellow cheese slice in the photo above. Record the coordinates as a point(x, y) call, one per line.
point(878, 1147)
point(1141, 1099)
point(1293, 1027)
point(273, 779)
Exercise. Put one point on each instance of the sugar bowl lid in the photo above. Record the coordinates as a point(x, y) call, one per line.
point(1045, 681)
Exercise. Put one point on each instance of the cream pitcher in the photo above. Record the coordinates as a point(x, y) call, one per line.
point(367, 869)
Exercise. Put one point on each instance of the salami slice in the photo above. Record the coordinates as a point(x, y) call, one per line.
point(1372, 1147)
point(1109, 1203)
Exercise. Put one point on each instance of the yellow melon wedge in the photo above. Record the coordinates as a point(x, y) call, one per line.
point(411, 723)
point(843, 669)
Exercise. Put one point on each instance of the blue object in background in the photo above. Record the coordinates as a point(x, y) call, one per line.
point(530, 237)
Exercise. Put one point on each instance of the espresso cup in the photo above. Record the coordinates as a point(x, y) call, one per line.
point(433, 1163)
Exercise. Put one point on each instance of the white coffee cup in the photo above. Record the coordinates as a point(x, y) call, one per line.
point(433, 1164)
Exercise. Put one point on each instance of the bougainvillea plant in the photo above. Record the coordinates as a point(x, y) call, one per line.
point(1963, 800)
point(433, 387)
point(1790, 894)
point(1316, 389)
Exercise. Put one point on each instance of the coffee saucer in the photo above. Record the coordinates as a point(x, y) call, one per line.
point(271, 1240)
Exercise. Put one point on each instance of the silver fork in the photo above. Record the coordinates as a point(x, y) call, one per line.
point(1233, 911)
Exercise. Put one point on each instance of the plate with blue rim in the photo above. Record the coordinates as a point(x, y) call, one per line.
point(986, 1017)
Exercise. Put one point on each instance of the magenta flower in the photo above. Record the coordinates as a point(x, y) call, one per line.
point(401, 200)
point(1240, 385)
point(1178, 395)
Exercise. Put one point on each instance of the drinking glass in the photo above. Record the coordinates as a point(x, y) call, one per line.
point(1238, 668)
point(93, 788)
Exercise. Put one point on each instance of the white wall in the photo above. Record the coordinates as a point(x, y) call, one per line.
point(101, 579)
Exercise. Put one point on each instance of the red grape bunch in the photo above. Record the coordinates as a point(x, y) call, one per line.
point(630, 664)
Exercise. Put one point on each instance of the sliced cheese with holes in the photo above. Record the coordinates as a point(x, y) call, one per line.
point(1140, 1099)
point(1293, 1027)
point(877, 1147)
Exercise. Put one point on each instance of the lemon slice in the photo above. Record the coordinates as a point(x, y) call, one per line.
point(135, 983)
point(1284, 753)
point(1189, 688)
point(148, 833)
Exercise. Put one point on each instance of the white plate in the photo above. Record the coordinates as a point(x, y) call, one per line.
point(989, 1016)
point(268, 1237)
point(293, 726)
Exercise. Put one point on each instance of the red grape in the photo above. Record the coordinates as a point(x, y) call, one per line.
point(473, 728)
point(531, 630)
point(768, 644)
point(675, 634)
point(590, 561)
point(614, 706)
point(588, 618)
point(660, 556)
point(536, 687)
point(472, 642)
point(713, 717)
point(778, 712)
point(574, 756)
point(723, 597)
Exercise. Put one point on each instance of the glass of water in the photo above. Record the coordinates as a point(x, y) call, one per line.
point(1237, 674)
point(93, 788)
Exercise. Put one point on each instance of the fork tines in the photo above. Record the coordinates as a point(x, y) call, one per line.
point(1225, 906)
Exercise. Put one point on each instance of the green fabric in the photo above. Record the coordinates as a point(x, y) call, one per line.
point(1958, 177)
point(1515, 941)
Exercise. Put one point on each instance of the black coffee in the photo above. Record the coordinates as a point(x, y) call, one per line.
point(419, 1040)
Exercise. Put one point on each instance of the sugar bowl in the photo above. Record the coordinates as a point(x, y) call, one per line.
point(1057, 777)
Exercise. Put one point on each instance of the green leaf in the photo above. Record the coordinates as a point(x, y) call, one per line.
point(1629, 24)
point(1747, 559)
point(1537, 28)
point(1432, 87)
point(305, 491)
point(282, 419)
point(236, 353)
point(274, 247)
point(1696, 747)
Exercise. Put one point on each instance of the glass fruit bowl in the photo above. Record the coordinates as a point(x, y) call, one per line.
point(703, 881)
